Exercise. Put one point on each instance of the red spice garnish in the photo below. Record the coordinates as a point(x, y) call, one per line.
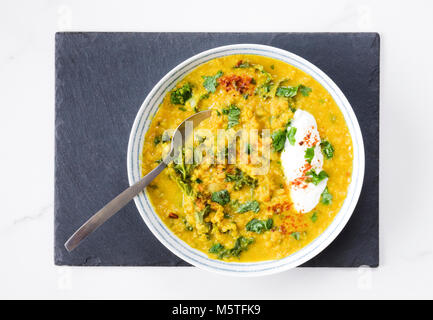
point(173, 215)
point(300, 181)
point(310, 141)
point(307, 167)
point(240, 83)
point(294, 222)
point(280, 207)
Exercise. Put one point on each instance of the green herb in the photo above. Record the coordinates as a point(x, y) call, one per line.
point(233, 113)
point(182, 109)
point(157, 140)
point(278, 140)
point(183, 174)
point(305, 91)
point(222, 197)
point(240, 179)
point(309, 154)
point(198, 180)
point(210, 82)
point(158, 161)
point(245, 96)
point(314, 217)
point(290, 92)
point(185, 186)
point(243, 65)
point(182, 168)
point(291, 135)
point(260, 68)
point(200, 215)
point(292, 108)
point(326, 197)
point(253, 206)
point(316, 178)
point(181, 95)
point(217, 247)
point(272, 67)
point(204, 96)
point(188, 227)
point(286, 92)
point(296, 235)
point(259, 226)
point(241, 245)
point(327, 149)
point(265, 88)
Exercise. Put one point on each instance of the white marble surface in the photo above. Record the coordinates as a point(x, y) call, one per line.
point(27, 147)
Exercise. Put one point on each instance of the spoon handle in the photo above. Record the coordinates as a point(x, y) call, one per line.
point(111, 208)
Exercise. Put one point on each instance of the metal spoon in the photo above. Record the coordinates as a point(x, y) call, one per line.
point(122, 199)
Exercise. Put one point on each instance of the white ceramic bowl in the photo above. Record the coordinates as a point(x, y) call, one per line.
point(182, 249)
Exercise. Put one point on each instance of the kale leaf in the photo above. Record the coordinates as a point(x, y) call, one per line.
point(309, 154)
point(241, 245)
point(327, 149)
point(296, 235)
point(243, 65)
point(314, 217)
point(315, 178)
point(233, 113)
point(222, 197)
point(183, 174)
point(181, 95)
point(278, 140)
point(305, 91)
point(210, 82)
point(286, 92)
point(240, 179)
point(291, 135)
point(200, 215)
point(217, 247)
point(290, 92)
point(259, 226)
point(253, 206)
point(326, 197)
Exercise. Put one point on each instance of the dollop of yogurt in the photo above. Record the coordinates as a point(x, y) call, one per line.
point(305, 195)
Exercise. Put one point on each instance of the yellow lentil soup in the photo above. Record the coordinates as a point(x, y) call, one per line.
point(226, 210)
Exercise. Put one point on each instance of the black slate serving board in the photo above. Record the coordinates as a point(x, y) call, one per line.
point(101, 81)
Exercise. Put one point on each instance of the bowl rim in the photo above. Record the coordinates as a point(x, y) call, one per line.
point(196, 257)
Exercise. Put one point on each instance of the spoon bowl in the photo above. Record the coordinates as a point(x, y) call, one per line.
point(112, 207)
